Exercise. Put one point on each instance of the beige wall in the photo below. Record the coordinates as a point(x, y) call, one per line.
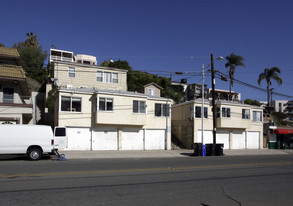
point(122, 113)
point(80, 119)
point(86, 76)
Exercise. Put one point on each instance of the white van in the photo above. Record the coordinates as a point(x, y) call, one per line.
point(31, 140)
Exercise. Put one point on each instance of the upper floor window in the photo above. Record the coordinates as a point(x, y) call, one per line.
point(139, 106)
point(224, 112)
point(71, 72)
point(162, 110)
point(245, 113)
point(257, 116)
point(198, 112)
point(115, 77)
point(99, 76)
point(108, 77)
point(8, 95)
point(105, 104)
point(70, 104)
point(151, 92)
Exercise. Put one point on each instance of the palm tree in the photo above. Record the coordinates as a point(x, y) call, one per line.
point(233, 61)
point(268, 75)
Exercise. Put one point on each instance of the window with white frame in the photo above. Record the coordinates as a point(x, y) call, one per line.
point(198, 112)
point(162, 110)
point(151, 92)
point(245, 113)
point(99, 76)
point(105, 104)
point(257, 116)
point(139, 106)
point(8, 95)
point(70, 104)
point(71, 72)
point(108, 77)
point(115, 77)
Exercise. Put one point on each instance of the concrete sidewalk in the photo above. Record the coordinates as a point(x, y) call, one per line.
point(163, 153)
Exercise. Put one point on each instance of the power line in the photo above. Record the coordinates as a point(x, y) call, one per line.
point(252, 86)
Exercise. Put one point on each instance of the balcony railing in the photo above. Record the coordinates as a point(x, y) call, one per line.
point(60, 58)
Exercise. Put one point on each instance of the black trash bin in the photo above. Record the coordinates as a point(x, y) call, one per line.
point(197, 149)
point(217, 151)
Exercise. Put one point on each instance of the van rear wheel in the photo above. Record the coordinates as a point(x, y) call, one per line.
point(34, 153)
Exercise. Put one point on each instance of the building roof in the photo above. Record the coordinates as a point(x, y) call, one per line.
point(113, 92)
point(11, 71)
point(9, 52)
point(154, 84)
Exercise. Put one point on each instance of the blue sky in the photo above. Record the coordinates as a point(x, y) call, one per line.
point(162, 36)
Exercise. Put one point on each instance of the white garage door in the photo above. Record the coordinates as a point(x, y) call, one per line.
point(105, 138)
point(79, 139)
point(238, 140)
point(155, 140)
point(223, 137)
point(253, 140)
point(132, 139)
point(207, 137)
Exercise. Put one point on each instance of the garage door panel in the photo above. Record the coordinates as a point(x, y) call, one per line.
point(223, 137)
point(79, 139)
point(238, 140)
point(253, 140)
point(105, 139)
point(132, 139)
point(207, 137)
point(155, 140)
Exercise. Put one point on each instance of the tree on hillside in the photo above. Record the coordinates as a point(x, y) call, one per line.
point(32, 57)
point(136, 80)
point(233, 61)
point(269, 75)
point(252, 102)
point(2, 45)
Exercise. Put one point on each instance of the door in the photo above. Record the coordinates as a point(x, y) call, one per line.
point(132, 139)
point(60, 138)
point(79, 138)
point(155, 140)
point(105, 138)
point(253, 140)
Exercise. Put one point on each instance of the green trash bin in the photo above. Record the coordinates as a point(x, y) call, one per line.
point(272, 145)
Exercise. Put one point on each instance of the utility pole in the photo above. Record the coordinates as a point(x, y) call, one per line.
point(213, 153)
point(202, 104)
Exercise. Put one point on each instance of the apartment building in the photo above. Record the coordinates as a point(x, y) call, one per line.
point(16, 105)
point(100, 114)
point(239, 126)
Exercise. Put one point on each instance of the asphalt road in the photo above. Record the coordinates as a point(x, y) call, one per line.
point(214, 181)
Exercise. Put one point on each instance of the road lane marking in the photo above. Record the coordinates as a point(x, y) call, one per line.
point(141, 170)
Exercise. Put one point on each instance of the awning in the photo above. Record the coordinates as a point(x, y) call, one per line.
point(283, 131)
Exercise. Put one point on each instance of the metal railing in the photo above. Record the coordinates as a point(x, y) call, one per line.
point(60, 58)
